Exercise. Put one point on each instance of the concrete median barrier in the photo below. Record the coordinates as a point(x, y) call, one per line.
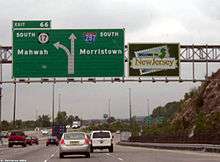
point(172, 146)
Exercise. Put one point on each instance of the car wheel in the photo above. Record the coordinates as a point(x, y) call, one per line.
point(87, 155)
point(46, 144)
point(61, 155)
point(10, 145)
point(110, 148)
point(24, 145)
point(91, 150)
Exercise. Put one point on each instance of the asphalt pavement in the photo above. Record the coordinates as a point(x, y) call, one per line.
point(43, 153)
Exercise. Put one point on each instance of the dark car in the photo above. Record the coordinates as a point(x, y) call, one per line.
point(29, 140)
point(35, 140)
point(17, 138)
point(52, 140)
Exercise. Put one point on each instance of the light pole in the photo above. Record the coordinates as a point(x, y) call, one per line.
point(130, 106)
point(14, 111)
point(148, 113)
point(109, 108)
point(53, 104)
point(59, 100)
point(0, 92)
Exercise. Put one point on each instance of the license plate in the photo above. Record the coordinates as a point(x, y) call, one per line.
point(101, 141)
point(74, 142)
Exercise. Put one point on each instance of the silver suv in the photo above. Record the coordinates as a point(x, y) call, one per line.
point(101, 139)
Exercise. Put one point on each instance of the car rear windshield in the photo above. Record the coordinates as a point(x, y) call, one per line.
point(74, 136)
point(17, 133)
point(101, 135)
point(52, 137)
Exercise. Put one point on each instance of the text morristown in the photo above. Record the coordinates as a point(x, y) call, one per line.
point(100, 52)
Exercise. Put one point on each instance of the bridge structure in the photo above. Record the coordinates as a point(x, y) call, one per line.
point(191, 54)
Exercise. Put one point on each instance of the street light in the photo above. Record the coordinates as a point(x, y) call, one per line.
point(130, 106)
point(148, 113)
point(53, 104)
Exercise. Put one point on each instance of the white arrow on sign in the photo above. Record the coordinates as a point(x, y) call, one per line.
point(70, 55)
point(58, 45)
point(72, 39)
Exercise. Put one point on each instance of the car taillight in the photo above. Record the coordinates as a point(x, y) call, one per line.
point(62, 142)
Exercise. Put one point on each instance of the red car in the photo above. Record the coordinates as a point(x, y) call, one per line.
point(52, 140)
point(35, 140)
point(29, 140)
point(17, 138)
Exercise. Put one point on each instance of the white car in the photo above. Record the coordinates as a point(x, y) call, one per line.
point(101, 139)
point(74, 143)
point(45, 132)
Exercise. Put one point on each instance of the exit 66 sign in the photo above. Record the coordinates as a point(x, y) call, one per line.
point(68, 53)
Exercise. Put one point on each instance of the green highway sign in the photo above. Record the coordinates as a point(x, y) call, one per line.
point(68, 53)
point(156, 59)
point(38, 24)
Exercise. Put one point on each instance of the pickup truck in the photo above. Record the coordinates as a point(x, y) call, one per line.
point(17, 138)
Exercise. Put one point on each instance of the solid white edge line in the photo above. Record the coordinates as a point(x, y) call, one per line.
point(51, 156)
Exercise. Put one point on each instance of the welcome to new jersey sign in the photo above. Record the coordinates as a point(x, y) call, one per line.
point(68, 53)
point(158, 59)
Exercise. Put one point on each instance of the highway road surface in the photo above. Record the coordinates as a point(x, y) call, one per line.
point(42, 153)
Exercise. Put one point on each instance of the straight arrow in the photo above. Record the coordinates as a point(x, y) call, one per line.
point(72, 40)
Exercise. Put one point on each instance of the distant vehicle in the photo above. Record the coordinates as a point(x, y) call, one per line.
point(37, 129)
point(29, 140)
point(52, 140)
point(125, 136)
point(4, 134)
point(74, 143)
point(118, 132)
point(101, 139)
point(76, 124)
point(58, 130)
point(17, 138)
point(35, 140)
point(45, 132)
point(67, 126)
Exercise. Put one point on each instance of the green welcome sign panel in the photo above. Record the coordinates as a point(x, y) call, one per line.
point(68, 53)
point(154, 59)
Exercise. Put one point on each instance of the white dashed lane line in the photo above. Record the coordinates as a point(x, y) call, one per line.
point(110, 155)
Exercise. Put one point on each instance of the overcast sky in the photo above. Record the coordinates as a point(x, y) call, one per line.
point(186, 22)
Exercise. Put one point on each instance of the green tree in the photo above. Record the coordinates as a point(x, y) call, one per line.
point(61, 118)
point(18, 124)
point(5, 125)
point(70, 119)
point(200, 123)
point(43, 121)
point(111, 119)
